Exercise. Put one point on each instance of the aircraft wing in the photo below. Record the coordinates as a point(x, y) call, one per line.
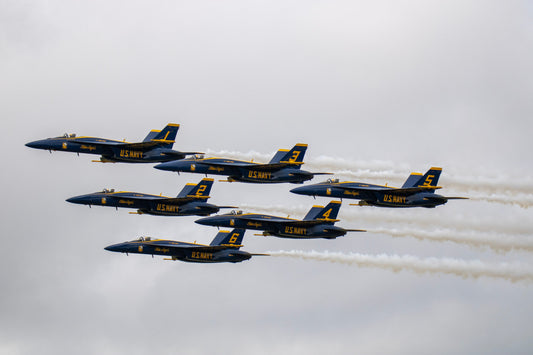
point(195, 247)
point(180, 200)
point(246, 165)
point(272, 219)
point(400, 191)
point(132, 146)
point(287, 221)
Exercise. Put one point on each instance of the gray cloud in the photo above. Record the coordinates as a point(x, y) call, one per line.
point(384, 86)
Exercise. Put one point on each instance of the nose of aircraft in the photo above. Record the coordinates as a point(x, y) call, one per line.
point(304, 190)
point(83, 199)
point(171, 166)
point(115, 247)
point(209, 221)
point(37, 144)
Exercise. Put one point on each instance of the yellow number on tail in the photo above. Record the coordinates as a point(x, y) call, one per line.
point(201, 189)
point(327, 213)
point(429, 180)
point(233, 238)
point(295, 156)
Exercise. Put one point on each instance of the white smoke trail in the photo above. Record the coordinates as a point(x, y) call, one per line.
point(500, 243)
point(482, 235)
point(466, 269)
point(251, 155)
point(508, 190)
point(522, 200)
point(365, 215)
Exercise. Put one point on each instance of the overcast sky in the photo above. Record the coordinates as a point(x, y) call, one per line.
point(377, 89)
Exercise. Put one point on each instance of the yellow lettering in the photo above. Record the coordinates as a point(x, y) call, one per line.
point(295, 230)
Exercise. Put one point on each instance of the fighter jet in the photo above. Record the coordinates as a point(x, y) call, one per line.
point(417, 191)
point(284, 167)
point(155, 148)
point(191, 201)
point(318, 223)
point(224, 248)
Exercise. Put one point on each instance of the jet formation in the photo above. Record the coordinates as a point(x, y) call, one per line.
point(155, 148)
point(191, 201)
point(318, 223)
point(417, 191)
point(224, 248)
point(285, 167)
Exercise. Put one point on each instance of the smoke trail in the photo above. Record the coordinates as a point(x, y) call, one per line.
point(251, 155)
point(524, 201)
point(397, 173)
point(512, 190)
point(366, 215)
point(499, 243)
point(482, 235)
point(465, 269)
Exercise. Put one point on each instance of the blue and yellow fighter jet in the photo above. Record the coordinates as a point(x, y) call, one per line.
point(284, 167)
point(224, 248)
point(155, 148)
point(191, 201)
point(318, 223)
point(417, 191)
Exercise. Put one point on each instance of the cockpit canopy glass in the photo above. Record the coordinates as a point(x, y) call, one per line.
point(144, 239)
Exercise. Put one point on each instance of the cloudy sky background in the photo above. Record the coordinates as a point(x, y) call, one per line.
point(376, 89)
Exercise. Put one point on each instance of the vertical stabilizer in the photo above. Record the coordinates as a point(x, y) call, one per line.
point(412, 180)
point(200, 190)
point(430, 178)
point(167, 135)
point(319, 212)
point(295, 156)
point(229, 238)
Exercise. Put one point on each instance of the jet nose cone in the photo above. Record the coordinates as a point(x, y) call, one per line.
point(35, 144)
point(207, 221)
point(169, 166)
point(303, 190)
point(77, 199)
point(114, 247)
point(175, 165)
